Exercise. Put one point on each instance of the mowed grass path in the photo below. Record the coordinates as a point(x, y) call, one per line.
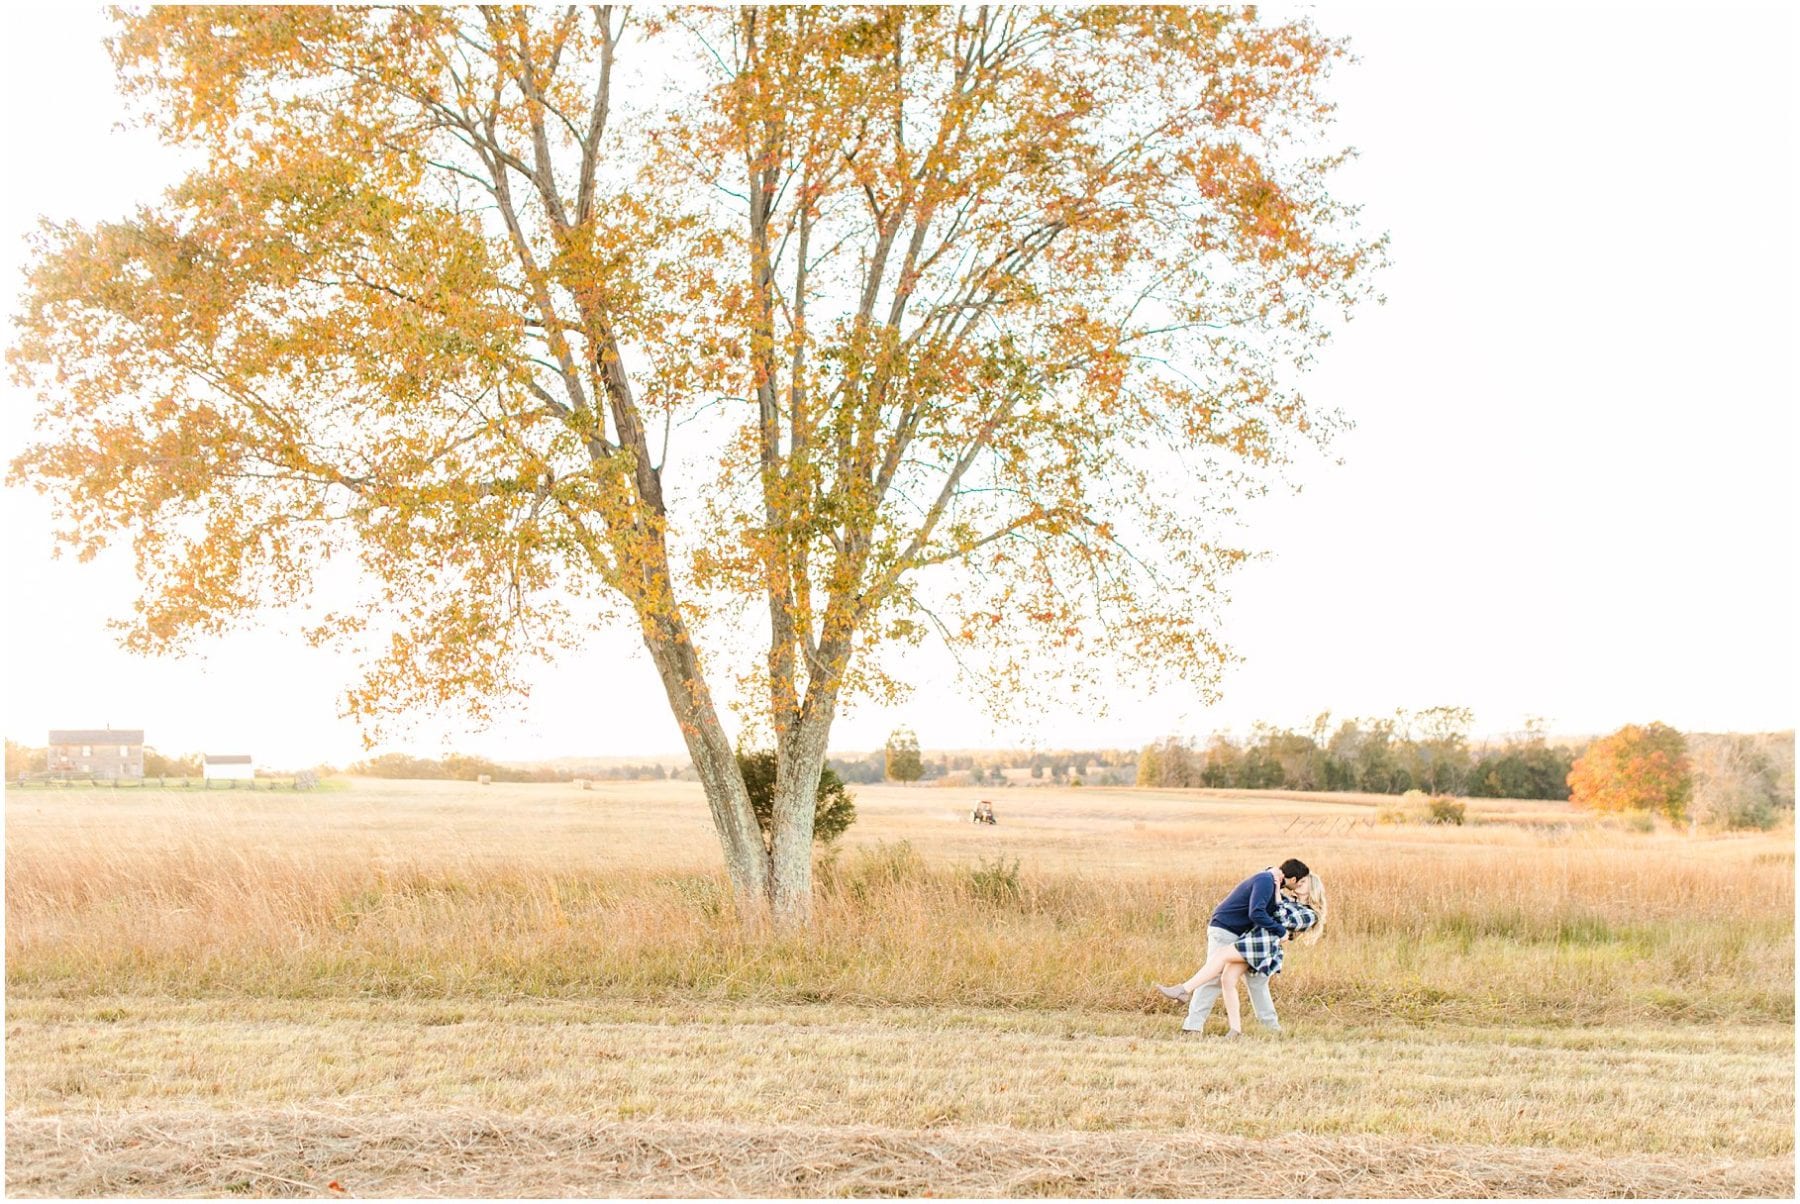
point(426, 988)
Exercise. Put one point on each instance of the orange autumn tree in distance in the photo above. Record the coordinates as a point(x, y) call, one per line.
point(1635, 769)
point(845, 326)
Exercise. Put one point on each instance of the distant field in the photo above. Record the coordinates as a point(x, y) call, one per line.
point(53, 785)
point(428, 988)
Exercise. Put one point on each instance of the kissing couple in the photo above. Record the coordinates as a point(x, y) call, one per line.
point(1244, 943)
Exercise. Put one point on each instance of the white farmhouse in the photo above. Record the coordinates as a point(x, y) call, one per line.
point(217, 767)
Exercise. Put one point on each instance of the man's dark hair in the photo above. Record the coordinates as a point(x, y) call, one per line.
point(1293, 867)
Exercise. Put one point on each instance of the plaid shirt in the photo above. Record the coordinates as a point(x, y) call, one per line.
point(1261, 947)
point(1296, 915)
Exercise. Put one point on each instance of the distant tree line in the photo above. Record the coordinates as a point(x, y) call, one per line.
point(902, 761)
point(1428, 750)
point(625, 773)
point(1729, 780)
point(460, 767)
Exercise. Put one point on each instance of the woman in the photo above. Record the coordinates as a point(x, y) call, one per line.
point(1258, 951)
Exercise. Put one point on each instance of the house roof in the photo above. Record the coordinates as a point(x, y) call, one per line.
point(231, 760)
point(111, 735)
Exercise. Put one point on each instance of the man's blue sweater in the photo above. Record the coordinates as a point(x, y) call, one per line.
point(1251, 904)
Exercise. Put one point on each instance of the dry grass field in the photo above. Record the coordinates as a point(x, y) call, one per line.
point(411, 988)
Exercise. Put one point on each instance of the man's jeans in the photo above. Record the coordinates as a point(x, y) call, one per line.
point(1201, 1006)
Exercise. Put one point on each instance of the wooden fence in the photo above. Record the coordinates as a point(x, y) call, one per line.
point(1326, 825)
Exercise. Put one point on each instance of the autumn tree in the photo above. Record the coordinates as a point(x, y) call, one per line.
point(1169, 762)
point(903, 762)
point(157, 765)
point(1223, 761)
point(1297, 759)
point(22, 759)
point(1149, 766)
point(972, 323)
point(1635, 769)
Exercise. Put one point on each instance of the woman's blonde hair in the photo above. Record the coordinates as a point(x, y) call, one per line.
point(1315, 899)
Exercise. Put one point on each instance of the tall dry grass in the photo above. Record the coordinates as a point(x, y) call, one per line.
point(534, 990)
point(1514, 926)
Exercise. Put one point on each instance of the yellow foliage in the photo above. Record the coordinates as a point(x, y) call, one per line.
point(900, 290)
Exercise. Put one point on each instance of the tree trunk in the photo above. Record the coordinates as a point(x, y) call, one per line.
point(767, 882)
point(746, 859)
point(800, 760)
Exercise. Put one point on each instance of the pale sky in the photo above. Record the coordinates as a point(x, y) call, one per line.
point(1569, 493)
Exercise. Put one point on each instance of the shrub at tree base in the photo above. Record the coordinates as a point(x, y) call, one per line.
point(1635, 769)
point(836, 809)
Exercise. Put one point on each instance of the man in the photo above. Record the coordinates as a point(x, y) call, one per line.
point(1251, 904)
